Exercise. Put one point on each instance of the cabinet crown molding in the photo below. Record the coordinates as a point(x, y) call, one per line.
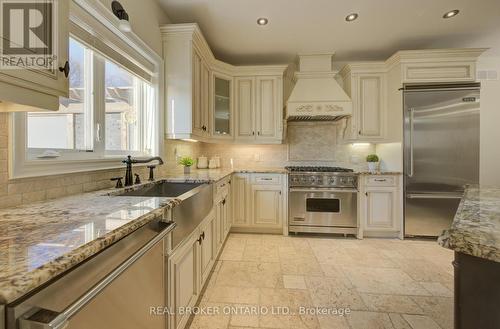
point(434, 55)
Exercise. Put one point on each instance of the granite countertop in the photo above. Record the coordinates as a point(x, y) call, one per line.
point(41, 240)
point(475, 230)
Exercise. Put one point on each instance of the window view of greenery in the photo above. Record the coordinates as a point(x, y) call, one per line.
point(64, 129)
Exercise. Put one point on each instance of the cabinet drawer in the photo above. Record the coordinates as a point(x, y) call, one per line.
point(222, 185)
point(381, 181)
point(266, 179)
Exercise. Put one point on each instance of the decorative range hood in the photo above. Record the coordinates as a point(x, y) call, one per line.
point(317, 96)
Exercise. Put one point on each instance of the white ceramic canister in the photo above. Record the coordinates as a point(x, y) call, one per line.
point(217, 161)
point(202, 162)
point(212, 164)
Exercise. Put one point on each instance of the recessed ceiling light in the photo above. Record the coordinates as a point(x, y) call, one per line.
point(351, 17)
point(262, 21)
point(451, 14)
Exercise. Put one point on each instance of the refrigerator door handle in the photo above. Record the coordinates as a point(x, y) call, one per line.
point(434, 195)
point(410, 174)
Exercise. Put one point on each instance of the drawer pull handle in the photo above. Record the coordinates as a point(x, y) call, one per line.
point(299, 219)
point(380, 180)
point(266, 178)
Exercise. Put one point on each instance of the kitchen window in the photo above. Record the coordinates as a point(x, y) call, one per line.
point(108, 122)
point(113, 108)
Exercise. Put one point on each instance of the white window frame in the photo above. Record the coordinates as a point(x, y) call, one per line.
point(25, 164)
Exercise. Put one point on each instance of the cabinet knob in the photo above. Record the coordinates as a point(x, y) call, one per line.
point(359, 132)
point(202, 235)
point(253, 133)
point(65, 69)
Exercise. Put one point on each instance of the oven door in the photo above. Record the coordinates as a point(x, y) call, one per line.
point(323, 207)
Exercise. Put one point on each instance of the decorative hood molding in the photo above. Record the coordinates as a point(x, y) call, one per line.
point(317, 95)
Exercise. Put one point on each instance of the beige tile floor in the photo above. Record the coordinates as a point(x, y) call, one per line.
point(386, 284)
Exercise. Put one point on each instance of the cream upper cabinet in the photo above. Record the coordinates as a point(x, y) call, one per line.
point(366, 85)
point(259, 109)
point(371, 106)
point(245, 108)
point(201, 81)
point(221, 109)
point(269, 108)
point(243, 104)
point(39, 89)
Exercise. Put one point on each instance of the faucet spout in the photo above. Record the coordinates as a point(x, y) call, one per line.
point(129, 161)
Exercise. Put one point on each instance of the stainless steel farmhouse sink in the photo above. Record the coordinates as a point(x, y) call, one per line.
point(164, 189)
point(196, 204)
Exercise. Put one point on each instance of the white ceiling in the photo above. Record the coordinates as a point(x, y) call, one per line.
point(383, 26)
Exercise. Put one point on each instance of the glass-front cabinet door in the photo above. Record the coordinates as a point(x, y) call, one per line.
point(222, 105)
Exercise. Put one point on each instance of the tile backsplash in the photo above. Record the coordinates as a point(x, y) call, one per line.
point(306, 144)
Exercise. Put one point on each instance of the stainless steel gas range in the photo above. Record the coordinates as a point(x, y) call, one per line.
point(322, 200)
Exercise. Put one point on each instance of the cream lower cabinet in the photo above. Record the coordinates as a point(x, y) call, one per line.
point(183, 278)
point(381, 206)
point(258, 203)
point(266, 206)
point(240, 184)
point(223, 220)
point(208, 251)
point(189, 267)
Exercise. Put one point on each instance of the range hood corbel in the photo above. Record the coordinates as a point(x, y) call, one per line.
point(317, 96)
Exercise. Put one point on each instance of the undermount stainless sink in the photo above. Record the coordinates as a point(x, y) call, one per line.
point(164, 189)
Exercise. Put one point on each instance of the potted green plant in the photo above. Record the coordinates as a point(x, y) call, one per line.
point(373, 162)
point(187, 162)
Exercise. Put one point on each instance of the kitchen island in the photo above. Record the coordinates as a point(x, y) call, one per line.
point(475, 238)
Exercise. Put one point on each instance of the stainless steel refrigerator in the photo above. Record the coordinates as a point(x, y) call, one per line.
point(441, 153)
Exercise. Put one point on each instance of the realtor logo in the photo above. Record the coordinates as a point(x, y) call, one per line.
point(28, 30)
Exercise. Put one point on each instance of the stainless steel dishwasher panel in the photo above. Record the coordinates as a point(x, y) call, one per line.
point(113, 289)
point(126, 302)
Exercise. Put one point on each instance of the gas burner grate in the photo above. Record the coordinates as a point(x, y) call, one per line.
point(317, 169)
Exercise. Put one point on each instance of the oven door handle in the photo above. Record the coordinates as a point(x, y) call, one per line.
point(339, 190)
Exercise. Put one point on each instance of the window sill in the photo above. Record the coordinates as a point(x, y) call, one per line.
point(50, 167)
